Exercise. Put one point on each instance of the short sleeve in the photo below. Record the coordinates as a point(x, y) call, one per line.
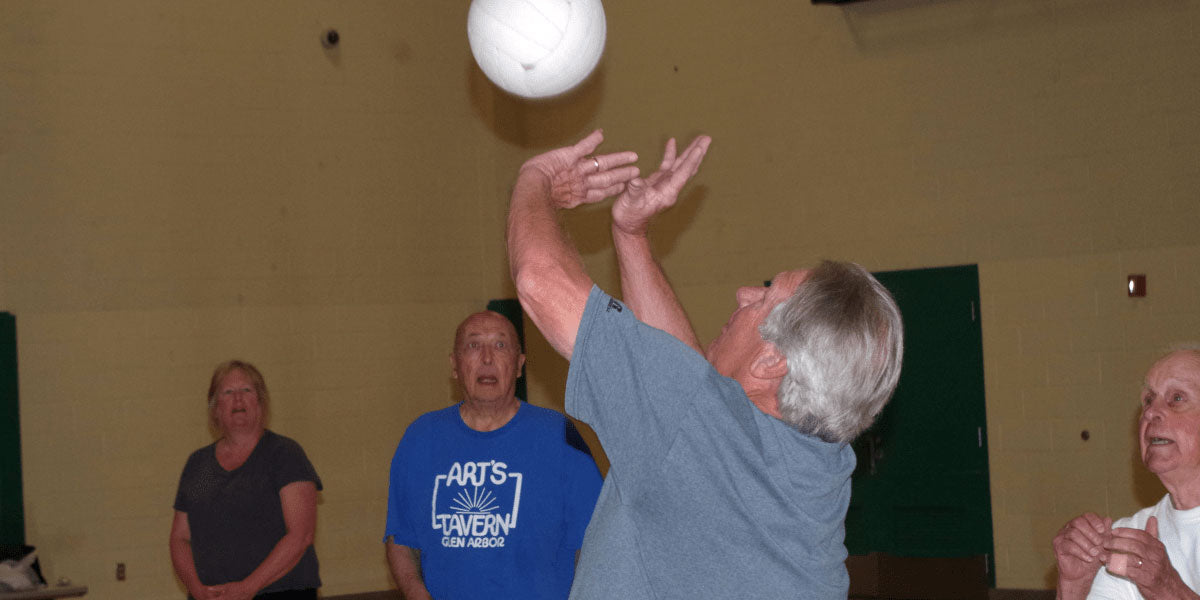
point(182, 496)
point(583, 483)
point(398, 526)
point(632, 383)
point(292, 465)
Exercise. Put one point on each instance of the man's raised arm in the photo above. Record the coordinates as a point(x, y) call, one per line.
point(643, 284)
point(547, 271)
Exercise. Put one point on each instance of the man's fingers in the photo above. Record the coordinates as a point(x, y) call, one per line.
point(1128, 541)
point(610, 176)
point(1069, 548)
point(689, 166)
point(596, 195)
point(616, 159)
point(668, 156)
point(700, 144)
point(1131, 533)
point(694, 154)
point(589, 144)
point(1152, 527)
point(1094, 523)
point(1077, 544)
point(1091, 527)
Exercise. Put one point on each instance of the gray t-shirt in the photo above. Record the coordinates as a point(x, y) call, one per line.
point(706, 496)
point(236, 517)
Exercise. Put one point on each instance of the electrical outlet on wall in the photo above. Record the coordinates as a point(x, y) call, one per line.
point(120, 571)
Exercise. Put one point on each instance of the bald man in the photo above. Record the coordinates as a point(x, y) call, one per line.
point(488, 498)
point(1152, 554)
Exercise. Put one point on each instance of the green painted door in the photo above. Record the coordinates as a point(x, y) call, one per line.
point(12, 506)
point(920, 489)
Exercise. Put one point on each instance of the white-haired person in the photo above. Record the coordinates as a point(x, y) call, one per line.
point(730, 466)
point(1156, 552)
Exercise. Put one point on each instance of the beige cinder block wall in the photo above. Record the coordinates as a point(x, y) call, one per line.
point(184, 184)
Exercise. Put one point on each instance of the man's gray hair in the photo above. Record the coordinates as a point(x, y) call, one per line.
point(843, 339)
point(1181, 347)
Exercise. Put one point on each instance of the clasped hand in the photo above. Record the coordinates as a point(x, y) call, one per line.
point(1087, 542)
point(234, 590)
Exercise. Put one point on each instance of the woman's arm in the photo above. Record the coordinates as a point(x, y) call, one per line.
point(181, 557)
point(299, 502)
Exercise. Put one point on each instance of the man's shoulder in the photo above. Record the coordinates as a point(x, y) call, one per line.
point(554, 427)
point(613, 326)
point(431, 423)
point(437, 417)
point(542, 416)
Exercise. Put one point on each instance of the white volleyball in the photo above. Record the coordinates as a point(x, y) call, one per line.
point(536, 48)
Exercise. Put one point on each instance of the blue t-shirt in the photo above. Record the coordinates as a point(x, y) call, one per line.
point(706, 496)
point(495, 514)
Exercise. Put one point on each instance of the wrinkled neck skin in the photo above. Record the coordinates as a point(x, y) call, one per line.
point(763, 393)
point(1184, 494)
point(488, 416)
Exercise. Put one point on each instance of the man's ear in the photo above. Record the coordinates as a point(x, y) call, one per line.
point(769, 363)
point(453, 366)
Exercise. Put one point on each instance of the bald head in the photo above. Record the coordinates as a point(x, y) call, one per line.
point(487, 359)
point(486, 316)
point(1183, 360)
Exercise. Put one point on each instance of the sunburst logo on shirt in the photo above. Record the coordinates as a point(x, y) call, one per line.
point(475, 503)
point(478, 501)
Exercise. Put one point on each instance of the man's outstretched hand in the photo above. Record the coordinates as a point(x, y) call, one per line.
point(577, 177)
point(644, 198)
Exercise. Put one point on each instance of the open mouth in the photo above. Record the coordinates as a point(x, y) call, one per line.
point(1158, 441)
point(487, 380)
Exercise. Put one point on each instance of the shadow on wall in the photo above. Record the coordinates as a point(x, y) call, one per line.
point(590, 226)
point(546, 123)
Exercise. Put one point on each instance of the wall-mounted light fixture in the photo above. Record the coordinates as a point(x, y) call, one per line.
point(1137, 286)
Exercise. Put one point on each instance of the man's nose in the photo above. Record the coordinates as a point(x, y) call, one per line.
point(746, 295)
point(1152, 412)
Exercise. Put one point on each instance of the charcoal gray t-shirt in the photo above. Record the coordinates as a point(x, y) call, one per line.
point(236, 517)
point(706, 496)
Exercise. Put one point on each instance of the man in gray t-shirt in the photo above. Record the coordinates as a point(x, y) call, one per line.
point(730, 465)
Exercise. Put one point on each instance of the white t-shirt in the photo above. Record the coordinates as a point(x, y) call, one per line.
point(1178, 530)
